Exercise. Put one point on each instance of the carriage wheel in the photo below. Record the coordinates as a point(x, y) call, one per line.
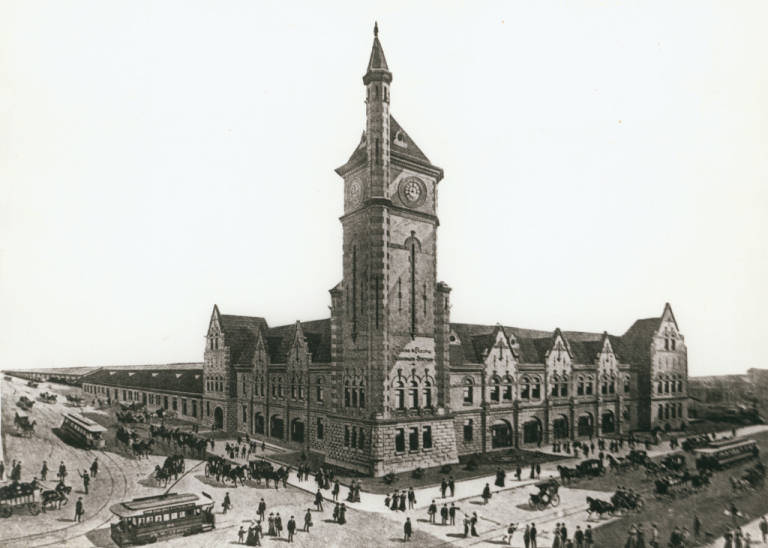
point(540, 505)
point(555, 499)
point(34, 508)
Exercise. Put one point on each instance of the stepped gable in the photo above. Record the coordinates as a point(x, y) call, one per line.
point(240, 334)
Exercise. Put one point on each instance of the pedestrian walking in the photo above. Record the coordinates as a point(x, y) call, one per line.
point(291, 528)
point(227, 504)
point(764, 528)
point(319, 500)
point(578, 535)
point(262, 509)
point(444, 515)
point(278, 524)
point(79, 509)
point(696, 526)
point(486, 493)
point(443, 488)
point(466, 526)
point(473, 525)
point(527, 536)
point(431, 511)
point(240, 535)
point(44, 471)
point(538, 470)
point(518, 472)
point(411, 498)
point(452, 485)
point(407, 530)
point(534, 532)
point(62, 475)
point(95, 467)
point(452, 513)
point(589, 541)
point(335, 491)
point(307, 521)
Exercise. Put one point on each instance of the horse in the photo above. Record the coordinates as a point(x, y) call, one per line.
point(599, 507)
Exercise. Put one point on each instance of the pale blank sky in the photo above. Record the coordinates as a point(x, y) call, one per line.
point(159, 157)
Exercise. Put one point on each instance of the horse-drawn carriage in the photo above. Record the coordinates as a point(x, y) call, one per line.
point(681, 484)
point(76, 401)
point(23, 425)
point(589, 468)
point(675, 462)
point(638, 457)
point(129, 416)
point(547, 495)
point(47, 397)
point(19, 495)
point(25, 403)
point(32, 384)
point(260, 468)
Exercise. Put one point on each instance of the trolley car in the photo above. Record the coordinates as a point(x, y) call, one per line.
point(83, 431)
point(149, 519)
point(721, 455)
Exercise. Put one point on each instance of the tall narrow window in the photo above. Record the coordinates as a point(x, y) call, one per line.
point(400, 394)
point(347, 394)
point(414, 394)
point(399, 295)
point(320, 428)
point(361, 439)
point(495, 389)
point(361, 399)
point(354, 397)
point(536, 392)
point(468, 395)
point(413, 439)
point(426, 437)
point(467, 430)
point(400, 440)
point(427, 394)
point(320, 389)
point(346, 435)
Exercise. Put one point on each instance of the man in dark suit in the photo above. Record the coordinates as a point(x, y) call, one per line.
point(533, 535)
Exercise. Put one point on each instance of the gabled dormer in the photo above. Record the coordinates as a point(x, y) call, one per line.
point(298, 353)
point(668, 338)
point(500, 357)
point(607, 364)
point(559, 358)
point(260, 359)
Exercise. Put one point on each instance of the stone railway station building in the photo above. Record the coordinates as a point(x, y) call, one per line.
point(388, 383)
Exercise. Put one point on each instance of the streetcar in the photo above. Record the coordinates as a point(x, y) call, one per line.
point(149, 519)
point(83, 431)
point(721, 454)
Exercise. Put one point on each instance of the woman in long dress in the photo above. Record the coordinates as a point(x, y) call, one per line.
point(271, 530)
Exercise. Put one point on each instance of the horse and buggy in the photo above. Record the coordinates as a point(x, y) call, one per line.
point(47, 397)
point(74, 400)
point(677, 484)
point(589, 468)
point(32, 384)
point(23, 426)
point(622, 500)
point(25, 403)
point(547, 495)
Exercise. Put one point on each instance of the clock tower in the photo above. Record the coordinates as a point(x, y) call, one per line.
point(391, 316)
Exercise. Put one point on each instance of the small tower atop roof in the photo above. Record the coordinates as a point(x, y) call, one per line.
point(377, 64)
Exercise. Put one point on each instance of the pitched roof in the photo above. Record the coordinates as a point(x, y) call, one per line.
point(534, 344)
point(404, 146)
point(637, 340)
point(174, 380)
point(241, 333)
point(317, 333)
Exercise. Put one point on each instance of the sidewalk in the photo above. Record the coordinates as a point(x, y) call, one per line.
point(473, 487)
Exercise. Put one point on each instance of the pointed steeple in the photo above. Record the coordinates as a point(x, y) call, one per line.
point(377, 65)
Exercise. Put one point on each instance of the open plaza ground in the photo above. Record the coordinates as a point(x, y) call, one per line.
point(369, 522)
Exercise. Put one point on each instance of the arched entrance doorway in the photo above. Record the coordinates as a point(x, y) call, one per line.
point(585, 426)
point(276, 426)
point(532, 431)
point(218, 419)
point(501, 434)
point(258, 423)
point(297, 431)
point(560, 428)
point(608, 423)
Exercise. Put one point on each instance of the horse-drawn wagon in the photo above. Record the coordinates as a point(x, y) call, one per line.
point(547, 495)
point(19, 495)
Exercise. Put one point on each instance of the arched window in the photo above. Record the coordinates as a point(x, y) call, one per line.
point(400, 394)
point(280, 387)
point(564, 387)
point(347, 394)
point(525, 389)
point(660, 386)
point(468, 391)
point(555, 386)
point(354, 395)
point(580, 386)
point(414, 392)
point(666, 386)
point(507, 394)
point(293, 387)
point(427, 394)
point(612, 385)
point(536, 390)
point(661, 412)
point(627, 386)
point(589, 389)
point(495, 389)
point(319, 389)
point(361, 399)
point(679, 384)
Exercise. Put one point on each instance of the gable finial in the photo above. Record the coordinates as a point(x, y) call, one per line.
point(375, 29)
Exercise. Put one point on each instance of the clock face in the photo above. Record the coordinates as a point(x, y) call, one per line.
point(413, 192)
point(354, 192)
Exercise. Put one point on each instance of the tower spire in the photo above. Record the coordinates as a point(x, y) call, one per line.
point(377, 64)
